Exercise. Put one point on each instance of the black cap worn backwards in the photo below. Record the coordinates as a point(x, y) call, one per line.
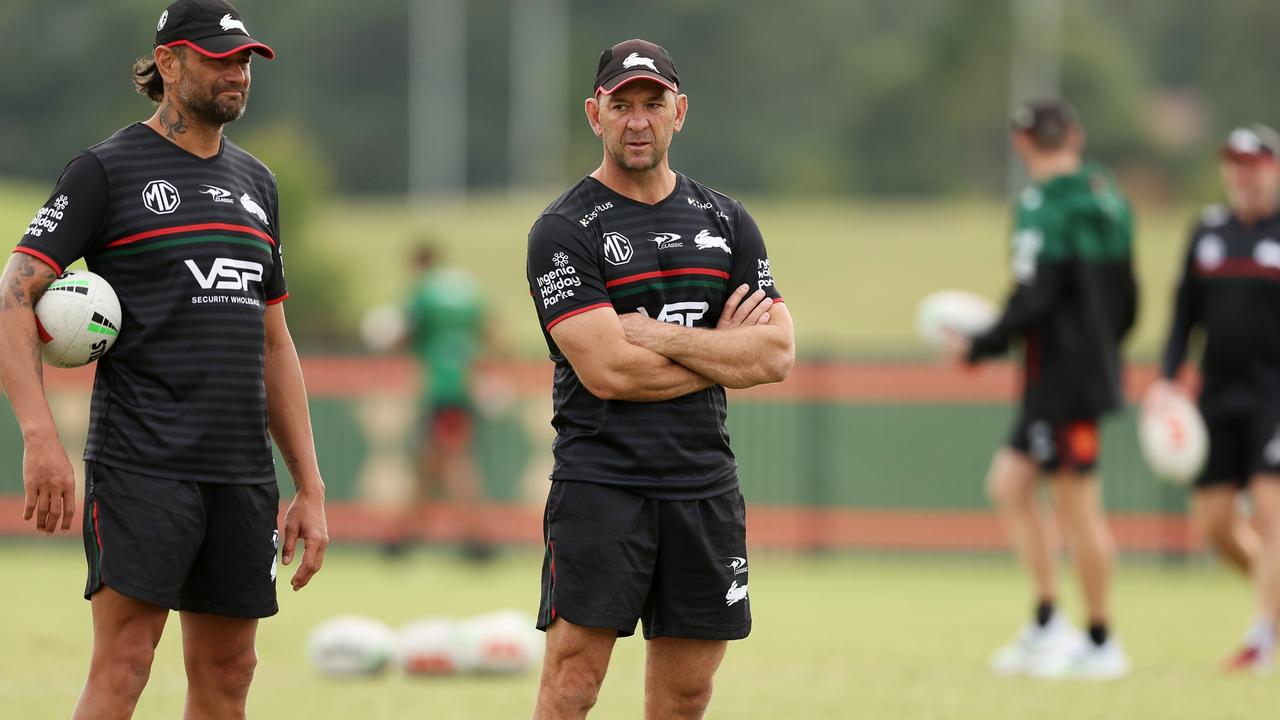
point(210, 27)
point(1046, 121)
point(635, 60)
point(1251, 142)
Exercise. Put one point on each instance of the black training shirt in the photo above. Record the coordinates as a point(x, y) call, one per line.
point(192, 248)
point(676, 261)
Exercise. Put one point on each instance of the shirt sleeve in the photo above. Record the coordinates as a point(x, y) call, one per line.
point(1040, 268)
point(69, 226)
point(277, 290)
point(751, 258)
point(1186, 313)
point(565, 277)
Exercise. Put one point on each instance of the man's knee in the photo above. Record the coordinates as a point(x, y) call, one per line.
point(126, 659)
point(690, 698)
point(1012, 480)
point(574, 680)
point(229, 673)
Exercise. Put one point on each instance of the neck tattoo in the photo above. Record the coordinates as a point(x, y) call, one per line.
point(175, 125)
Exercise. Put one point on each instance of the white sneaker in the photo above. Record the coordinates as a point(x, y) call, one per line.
point(1087, 662)
point(1036, 645)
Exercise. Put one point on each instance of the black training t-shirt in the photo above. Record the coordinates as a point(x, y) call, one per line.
point(676, 261)
point(192, 248)
point(1230, 289)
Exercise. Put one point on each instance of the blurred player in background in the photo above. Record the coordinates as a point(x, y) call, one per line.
point(654, 294)
point(445, 330)
point(181, 497)
point(1230, 290)
point(1074, 302)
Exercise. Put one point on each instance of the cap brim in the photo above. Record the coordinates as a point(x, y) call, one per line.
point(1229, 153)
point(220, 46)
point(612, 84)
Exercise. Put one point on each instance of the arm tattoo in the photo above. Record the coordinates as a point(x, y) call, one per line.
point(24, 282)
point(175, 125)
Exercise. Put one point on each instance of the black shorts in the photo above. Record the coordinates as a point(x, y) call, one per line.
point(201, 547)
point(1240, 447)
point(614, 557)
point(1054, 445)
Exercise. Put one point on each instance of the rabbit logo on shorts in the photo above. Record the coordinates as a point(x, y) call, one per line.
point(275, 545)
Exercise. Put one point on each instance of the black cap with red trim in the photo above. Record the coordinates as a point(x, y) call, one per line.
point(210, 27)
point(635, 60)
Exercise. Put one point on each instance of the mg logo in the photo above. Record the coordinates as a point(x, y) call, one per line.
point(161, 197)
point(681, 313)
point(617, 248)
point(227, 274)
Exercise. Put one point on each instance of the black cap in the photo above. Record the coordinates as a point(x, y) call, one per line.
point(210, 27)
point(635, 60)
point(1046, 121)
point(1251, 142)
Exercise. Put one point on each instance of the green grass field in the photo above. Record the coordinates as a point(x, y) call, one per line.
point(894, 638)
point(851, 271)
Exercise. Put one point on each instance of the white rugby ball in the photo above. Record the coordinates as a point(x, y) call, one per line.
point(382, 327)
point(350, 645)
point(954, 312)
point(429, 647)
point(78, 319)
point(1173, 437)
point(501, 642)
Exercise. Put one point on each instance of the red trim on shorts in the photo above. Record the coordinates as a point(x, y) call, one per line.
point(551, 547)
point(190, 228)
point(579, 311)
point(39, 256)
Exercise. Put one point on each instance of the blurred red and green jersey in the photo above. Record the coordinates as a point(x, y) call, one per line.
point(445, 315)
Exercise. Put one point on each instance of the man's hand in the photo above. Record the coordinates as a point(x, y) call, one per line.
point(742, 309)
point(305, 521)
point(955, 347)
point(50, 486)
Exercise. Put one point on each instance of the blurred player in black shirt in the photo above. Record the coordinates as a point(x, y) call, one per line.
point(654, 293)
point(181, 499)
point(1230, 292)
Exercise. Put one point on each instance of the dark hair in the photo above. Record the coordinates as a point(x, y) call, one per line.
point(147, 80)
point(146, 77)
point(1047, 123)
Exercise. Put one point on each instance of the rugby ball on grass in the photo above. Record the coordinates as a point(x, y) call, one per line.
point(349, 645)
point(429, 647)
point(502, 642)
point(957, 312)
point(1173, 437)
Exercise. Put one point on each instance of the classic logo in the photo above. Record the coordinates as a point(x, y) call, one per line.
point(636, 60)
point(735, 594)
point(707, 241)
point(254, 209)
point(161, 197)
point(1211, 252)
point(666, 241)
point(217, 194)
point(737, 564)
point(228, 24)
point(227, 274)
point(617, 248)
point(681, 313)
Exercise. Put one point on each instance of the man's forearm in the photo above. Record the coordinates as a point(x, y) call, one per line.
point(21, 365)
point(645, 376)
point(736, 358)
point(289, 419)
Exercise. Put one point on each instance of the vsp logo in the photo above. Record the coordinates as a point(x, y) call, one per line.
point(161, 197)
point(681, 313)
point(227, 274)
